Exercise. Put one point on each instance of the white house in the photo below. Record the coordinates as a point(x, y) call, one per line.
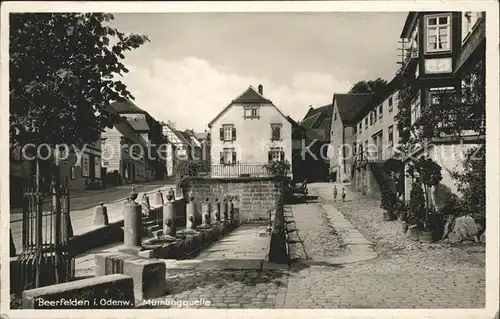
point(247, 134)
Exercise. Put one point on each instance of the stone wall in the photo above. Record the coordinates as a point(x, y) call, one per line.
point(364, 182)
point(256, 195)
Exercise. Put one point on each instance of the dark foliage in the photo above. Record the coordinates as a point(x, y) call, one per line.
point(63, 69)
point(372, 86)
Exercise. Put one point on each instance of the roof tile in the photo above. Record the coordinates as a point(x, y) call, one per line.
point(350, 104)
point(251, 96)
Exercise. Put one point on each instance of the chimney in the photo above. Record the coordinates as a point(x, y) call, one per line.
point(261, 89)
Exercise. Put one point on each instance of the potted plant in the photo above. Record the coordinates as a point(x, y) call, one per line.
point(388, 204)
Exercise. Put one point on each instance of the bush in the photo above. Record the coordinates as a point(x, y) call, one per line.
point(277, 168)
point(389, 200)
point(452, 206)
point(416, 206)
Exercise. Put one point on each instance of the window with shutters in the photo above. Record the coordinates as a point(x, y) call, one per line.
point(390, 104)
point(251, 112)
point(380, 111)
point(227, 133)
point(275, 132)
point(228, 156)
point(366, 122)
point(276, 155)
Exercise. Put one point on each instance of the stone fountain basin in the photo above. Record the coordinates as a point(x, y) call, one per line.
point(185, 243)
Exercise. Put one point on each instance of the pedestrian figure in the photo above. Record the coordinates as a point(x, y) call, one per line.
point(334, 193)
point(343, 194)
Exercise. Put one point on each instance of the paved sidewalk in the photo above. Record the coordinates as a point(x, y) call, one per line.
point(245, 242)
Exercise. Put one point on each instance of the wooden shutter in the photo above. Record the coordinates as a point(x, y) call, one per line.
point(222, 157)
point(269, 156)
point(282, 156)
point(234, 133)
point(221, 130)
point(234, 158)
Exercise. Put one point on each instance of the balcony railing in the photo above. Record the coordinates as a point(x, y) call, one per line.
point(239, 170)
point(206, 168)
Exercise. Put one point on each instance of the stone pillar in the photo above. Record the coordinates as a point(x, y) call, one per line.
point(132, 232)
point(216, 212)
point(159, 198)
point(169, 229)
point(190, 214)
point(223, 211)
point(205, 214)
point(101, 215)
point(230, 208)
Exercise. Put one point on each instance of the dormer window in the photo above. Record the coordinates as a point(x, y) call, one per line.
point(251, 112)
point(438, 33)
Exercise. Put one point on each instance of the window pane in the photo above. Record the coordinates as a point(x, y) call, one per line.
point(432, 31)
point(432, 21)
point(443, 30)
point(443, 20)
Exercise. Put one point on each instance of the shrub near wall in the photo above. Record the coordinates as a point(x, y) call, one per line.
point(256, 195)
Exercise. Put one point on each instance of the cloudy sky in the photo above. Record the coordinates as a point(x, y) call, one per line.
point(196, 63)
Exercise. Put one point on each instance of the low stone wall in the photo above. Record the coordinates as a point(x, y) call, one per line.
point(256, 195)
point(147, 274)
point(106, 292)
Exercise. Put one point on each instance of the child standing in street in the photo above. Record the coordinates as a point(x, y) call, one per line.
point(334, 193)
point(343, 194)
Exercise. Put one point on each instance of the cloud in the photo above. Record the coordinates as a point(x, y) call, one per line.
point(190, 91)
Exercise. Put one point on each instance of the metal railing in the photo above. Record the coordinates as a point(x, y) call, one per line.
point(239, 170)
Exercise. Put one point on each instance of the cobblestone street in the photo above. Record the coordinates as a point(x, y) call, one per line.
point(404, 275)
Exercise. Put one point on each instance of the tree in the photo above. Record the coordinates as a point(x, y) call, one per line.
point(63, 76)
point(372, 86)
point(425, 173)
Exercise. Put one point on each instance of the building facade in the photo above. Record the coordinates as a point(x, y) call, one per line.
point(342, 133)
point(376, 138)
point(316, 155)
point(150, 131)
point(250, 132)
point(445, 68)
point(123, 154)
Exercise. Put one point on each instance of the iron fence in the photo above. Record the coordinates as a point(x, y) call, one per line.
point(45, 258)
